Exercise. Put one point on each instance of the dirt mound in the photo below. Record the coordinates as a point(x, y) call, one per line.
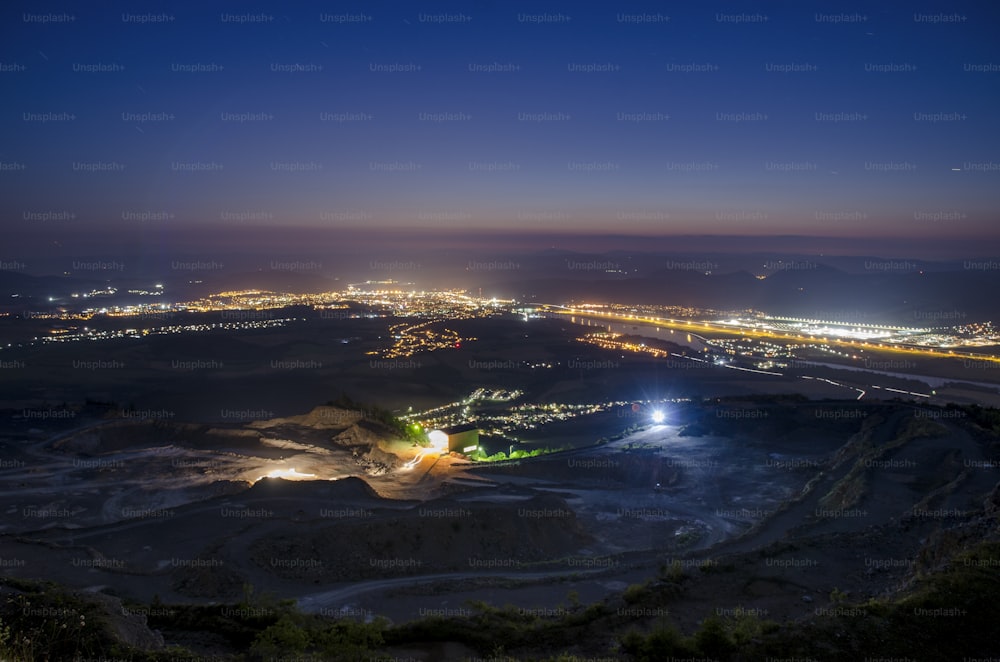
point(356, 435)
point(320, 418)
point(375, 461)
point(365, 447)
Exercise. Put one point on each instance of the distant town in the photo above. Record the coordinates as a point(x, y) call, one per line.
point(739, 333)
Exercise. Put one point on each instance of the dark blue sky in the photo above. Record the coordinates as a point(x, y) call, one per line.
point(695, 127)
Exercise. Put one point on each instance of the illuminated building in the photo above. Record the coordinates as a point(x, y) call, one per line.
point(462, 438)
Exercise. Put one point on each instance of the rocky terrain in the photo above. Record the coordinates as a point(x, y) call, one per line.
point(763, 528)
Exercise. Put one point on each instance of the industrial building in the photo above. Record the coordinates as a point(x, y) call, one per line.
point(459, 438)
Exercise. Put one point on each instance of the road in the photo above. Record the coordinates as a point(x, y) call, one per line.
point(753, 332)
point(335, 598)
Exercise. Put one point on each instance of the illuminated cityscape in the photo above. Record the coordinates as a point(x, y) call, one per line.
point(584, 332)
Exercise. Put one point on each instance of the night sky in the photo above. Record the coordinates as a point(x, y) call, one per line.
point(649, 119)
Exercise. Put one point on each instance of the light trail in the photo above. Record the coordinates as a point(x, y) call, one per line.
point(861, 392)
point(896, 390)
point(763, 372)
point(416, 460)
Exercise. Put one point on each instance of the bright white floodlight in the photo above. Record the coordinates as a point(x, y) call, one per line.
point(438, 439)
point(658, 416)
